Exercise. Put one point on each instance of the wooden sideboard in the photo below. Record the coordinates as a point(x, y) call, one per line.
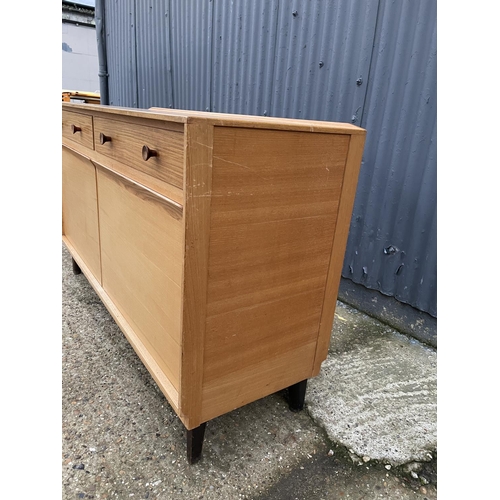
point(216, 242)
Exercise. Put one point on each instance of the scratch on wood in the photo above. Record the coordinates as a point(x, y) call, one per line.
point(241, 165)
point(232, 162)
point(204, 145)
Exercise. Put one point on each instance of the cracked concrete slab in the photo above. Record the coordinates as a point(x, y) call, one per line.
point(377, 391)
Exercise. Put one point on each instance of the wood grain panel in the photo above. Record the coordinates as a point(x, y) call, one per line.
point(79, 208)
point(127, 141)
point(142, 252)
point(249, 383)
point(173, 208)
point(272, 175)
point(85, 135)
point(240, 334)
point(199, 139)
point(349, 184)
point(275, 198)
point(256, 263)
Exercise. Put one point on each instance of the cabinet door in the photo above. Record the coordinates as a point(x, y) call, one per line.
point(79, 206)
point(142, 251)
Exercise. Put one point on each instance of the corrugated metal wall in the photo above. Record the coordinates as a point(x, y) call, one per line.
point(392, 240)
point(191, 25)
point(121, 52)
point(369, 62)
point(151, 19)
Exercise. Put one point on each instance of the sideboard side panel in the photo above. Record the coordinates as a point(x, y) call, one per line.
point(275, 197)
point(349, 184)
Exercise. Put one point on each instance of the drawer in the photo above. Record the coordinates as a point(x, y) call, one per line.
point(78, 128)
point(154, 151)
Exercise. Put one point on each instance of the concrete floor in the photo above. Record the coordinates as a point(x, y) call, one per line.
point(368, 430)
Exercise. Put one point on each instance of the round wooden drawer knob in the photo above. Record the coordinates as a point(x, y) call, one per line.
point(75, 129)
point(103, 139)
point(147, 153)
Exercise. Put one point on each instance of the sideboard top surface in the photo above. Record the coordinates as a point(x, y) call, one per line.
point(221, 119)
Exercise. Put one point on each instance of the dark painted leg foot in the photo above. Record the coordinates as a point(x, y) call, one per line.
point(76, 267)
point(297, 395)
point(195, 443)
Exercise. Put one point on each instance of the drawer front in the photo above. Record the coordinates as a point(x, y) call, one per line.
point(154, 151)
point(78, 128)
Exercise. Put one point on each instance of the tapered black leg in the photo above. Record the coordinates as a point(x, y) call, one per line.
point(195, 443)
point(297, 395)
point(76, 267)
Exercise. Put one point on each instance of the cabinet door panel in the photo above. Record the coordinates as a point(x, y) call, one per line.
point(141, 248)
point(79, 206)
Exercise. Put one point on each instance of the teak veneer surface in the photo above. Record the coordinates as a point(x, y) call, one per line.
point(79, 198)
point(220, 258)
point(125, 145)
point(141, 254)
point(273, 193)
point(85, 135)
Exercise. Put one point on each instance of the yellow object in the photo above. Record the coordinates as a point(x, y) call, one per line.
point(91, 97)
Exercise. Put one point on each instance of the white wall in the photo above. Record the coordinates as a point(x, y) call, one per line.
point(79, 58)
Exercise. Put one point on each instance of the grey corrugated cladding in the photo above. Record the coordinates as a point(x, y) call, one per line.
point(191, 47)
point(120, 30)
point(370, 62)
point(153, 53)
point(393, 229)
